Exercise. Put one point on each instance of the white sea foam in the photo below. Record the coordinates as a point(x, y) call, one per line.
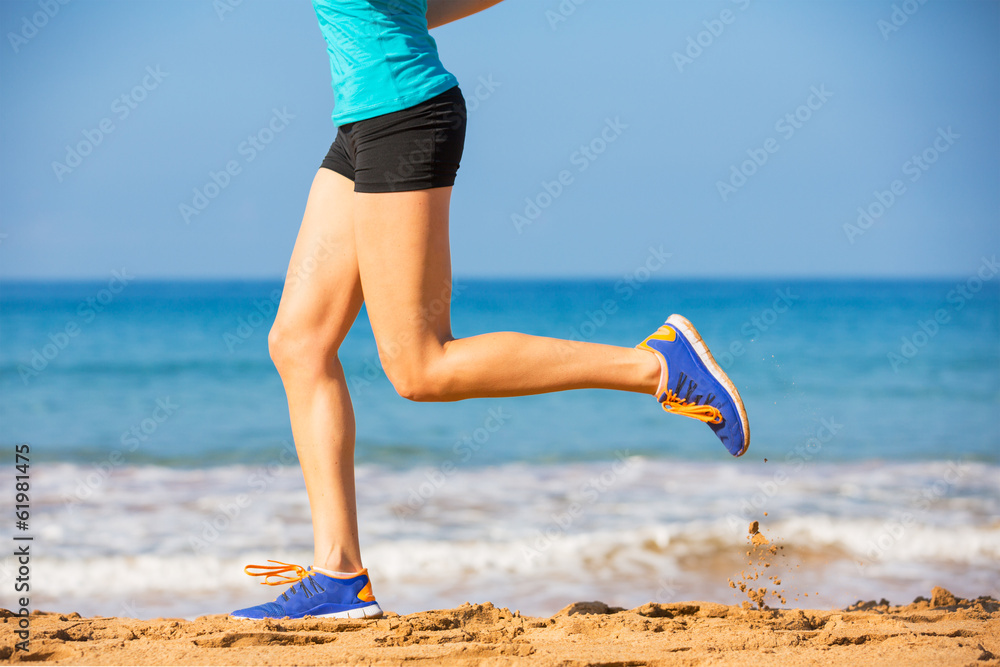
point(173, 542)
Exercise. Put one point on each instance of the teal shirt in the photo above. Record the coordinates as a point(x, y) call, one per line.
point(382, 57)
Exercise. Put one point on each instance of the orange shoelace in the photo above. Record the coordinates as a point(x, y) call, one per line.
point(278, 571)
point(678, 406)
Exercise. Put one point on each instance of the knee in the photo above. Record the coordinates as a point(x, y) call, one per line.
point(296, 349)
point(417, 380)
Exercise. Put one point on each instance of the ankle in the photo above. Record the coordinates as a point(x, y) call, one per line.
point(653, 372)
point(336, 561)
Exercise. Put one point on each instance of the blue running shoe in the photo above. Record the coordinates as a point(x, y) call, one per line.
point(313, 594)
point(692, 383)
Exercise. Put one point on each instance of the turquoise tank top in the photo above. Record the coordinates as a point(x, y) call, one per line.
point(382, 57)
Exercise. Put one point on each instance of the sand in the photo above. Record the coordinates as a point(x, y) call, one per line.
point(761, 554)
point(943, 630)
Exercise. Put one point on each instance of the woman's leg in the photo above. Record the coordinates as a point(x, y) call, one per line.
point(405, 266)
point(321, 300)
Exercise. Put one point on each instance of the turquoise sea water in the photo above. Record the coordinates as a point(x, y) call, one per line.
point(203, 346)
point(152, 408)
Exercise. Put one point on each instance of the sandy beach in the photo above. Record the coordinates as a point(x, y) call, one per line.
point(942, 630)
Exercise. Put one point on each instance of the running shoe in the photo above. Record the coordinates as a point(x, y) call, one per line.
point(312, 594)
point(693, 385)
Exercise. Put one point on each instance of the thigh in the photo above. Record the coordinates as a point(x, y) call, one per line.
point(322, 293)
point(404, 260)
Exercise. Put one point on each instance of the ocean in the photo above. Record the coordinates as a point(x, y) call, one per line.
point(161, 458)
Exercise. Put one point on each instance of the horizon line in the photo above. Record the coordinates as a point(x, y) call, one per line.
point(515, 278)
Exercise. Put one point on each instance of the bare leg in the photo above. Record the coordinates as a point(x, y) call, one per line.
point(397, 246)
point(405, 266)
point(320, 302)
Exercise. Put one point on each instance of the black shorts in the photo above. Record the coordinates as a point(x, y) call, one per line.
point(412, 149)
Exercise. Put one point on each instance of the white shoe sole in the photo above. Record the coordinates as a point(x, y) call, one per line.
point(682, 324)
point(371, 611)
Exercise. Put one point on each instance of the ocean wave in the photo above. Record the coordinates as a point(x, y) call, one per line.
point(657, 527)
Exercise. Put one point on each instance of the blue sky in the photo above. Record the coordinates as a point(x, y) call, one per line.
point(824, 106)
